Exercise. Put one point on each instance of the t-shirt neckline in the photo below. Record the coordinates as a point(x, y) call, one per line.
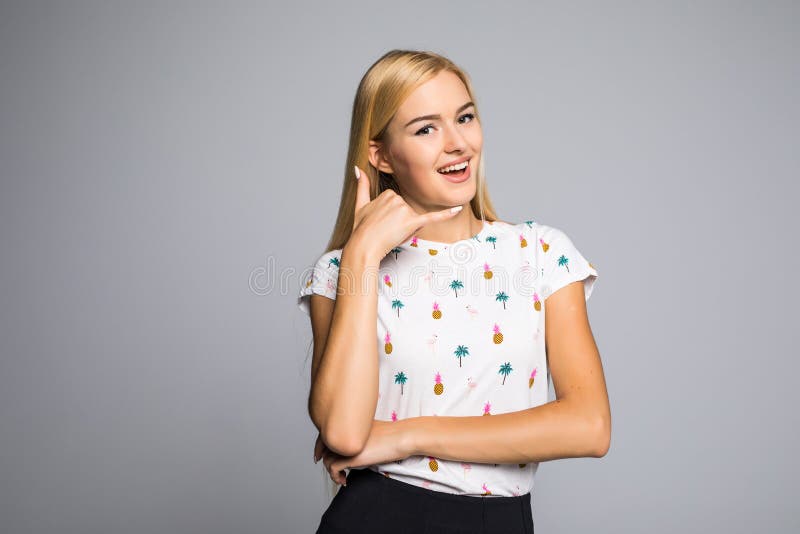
point(487, 225)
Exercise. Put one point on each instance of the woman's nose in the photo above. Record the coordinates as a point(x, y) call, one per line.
point(454, 140)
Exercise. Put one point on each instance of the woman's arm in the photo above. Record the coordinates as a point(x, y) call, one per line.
point(576, 424)
point(344, 384)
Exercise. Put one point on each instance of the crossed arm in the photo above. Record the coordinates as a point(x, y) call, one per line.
point(576, 424)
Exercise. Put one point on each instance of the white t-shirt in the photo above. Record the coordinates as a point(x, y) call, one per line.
point(461, 333)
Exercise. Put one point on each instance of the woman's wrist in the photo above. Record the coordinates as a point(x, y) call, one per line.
point(412, 440)
point(357, 249)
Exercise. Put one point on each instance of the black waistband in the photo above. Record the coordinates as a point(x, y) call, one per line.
point(368, 476)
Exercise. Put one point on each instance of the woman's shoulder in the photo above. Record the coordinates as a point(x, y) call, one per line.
point(329, 258)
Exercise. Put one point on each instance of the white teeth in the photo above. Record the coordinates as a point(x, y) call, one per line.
point(457, 167)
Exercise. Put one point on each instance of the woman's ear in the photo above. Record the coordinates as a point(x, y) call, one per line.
point(377, 158)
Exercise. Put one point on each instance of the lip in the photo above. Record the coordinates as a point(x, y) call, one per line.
point(458, 179)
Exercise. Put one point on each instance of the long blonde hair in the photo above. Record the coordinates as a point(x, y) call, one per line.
point(383, 88)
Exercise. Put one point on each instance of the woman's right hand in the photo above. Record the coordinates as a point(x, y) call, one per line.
point(381, 224)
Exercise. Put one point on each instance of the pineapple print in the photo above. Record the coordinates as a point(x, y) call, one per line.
point(531, 379)
point(387, 280)
point(486, 490)
point(537, 304)
point(487, 273)
point(414, 241)
point(438, 387)
point(309, 281)
point(433, 464)
point(433, 251)
point(387, 343)
point(522, 241)
point(486, 409)
point(545, 246)
point(498, 336)
point(436, 313)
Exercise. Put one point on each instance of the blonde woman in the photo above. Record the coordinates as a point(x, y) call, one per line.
point(432, 355)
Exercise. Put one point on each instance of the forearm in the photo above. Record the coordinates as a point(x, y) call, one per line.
point(558, 429)
point(344, 392)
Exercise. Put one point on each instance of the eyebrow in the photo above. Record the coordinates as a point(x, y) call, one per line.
point(437, 117)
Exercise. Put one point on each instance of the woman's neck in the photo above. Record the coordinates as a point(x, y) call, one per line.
point(456, 228)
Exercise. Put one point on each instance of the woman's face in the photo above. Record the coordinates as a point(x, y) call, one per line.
point(434, 127)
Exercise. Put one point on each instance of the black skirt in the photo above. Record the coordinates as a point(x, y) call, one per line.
point(372, 503)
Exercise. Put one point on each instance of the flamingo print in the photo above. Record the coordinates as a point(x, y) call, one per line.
point(537, 333)
point(471, 385)
point(433, 343)
point(472, 311)
point(466, 467)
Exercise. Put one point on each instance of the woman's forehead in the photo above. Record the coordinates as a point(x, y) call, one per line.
point(444, 94)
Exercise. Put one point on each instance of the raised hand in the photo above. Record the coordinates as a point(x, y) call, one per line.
point(381, 224)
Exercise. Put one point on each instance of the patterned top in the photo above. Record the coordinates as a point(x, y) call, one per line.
point(461, 333)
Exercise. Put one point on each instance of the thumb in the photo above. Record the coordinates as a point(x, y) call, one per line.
point(439, 215)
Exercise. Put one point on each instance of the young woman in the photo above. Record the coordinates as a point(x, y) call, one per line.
point(428, 314)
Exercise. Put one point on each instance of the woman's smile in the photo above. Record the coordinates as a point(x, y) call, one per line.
point(458, 176)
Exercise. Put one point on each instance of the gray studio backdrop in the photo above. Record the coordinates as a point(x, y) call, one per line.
point(170, 169)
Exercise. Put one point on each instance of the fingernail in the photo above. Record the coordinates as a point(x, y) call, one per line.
point(456, 209)
point(356, 168)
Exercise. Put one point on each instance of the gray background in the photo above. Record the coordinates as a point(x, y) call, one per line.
point(168, 171)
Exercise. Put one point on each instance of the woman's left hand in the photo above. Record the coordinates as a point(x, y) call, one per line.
point(388, 441)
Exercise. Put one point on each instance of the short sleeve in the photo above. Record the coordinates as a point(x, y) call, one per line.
point(562, 262)
point(321, 278)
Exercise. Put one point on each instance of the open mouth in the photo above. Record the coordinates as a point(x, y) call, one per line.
point(455, 171)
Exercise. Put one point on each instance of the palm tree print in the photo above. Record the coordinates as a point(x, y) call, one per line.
point(397, 304)
point(400, 378)
point(333, 261)
point(529, 223)
point(502, 297)
point(492, 239)
point(396, 251)
point(455, 285)
point(460, 352)
point(505, 370)
point(563, 260)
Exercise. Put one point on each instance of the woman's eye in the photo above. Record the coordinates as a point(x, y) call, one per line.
point(421, 131)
